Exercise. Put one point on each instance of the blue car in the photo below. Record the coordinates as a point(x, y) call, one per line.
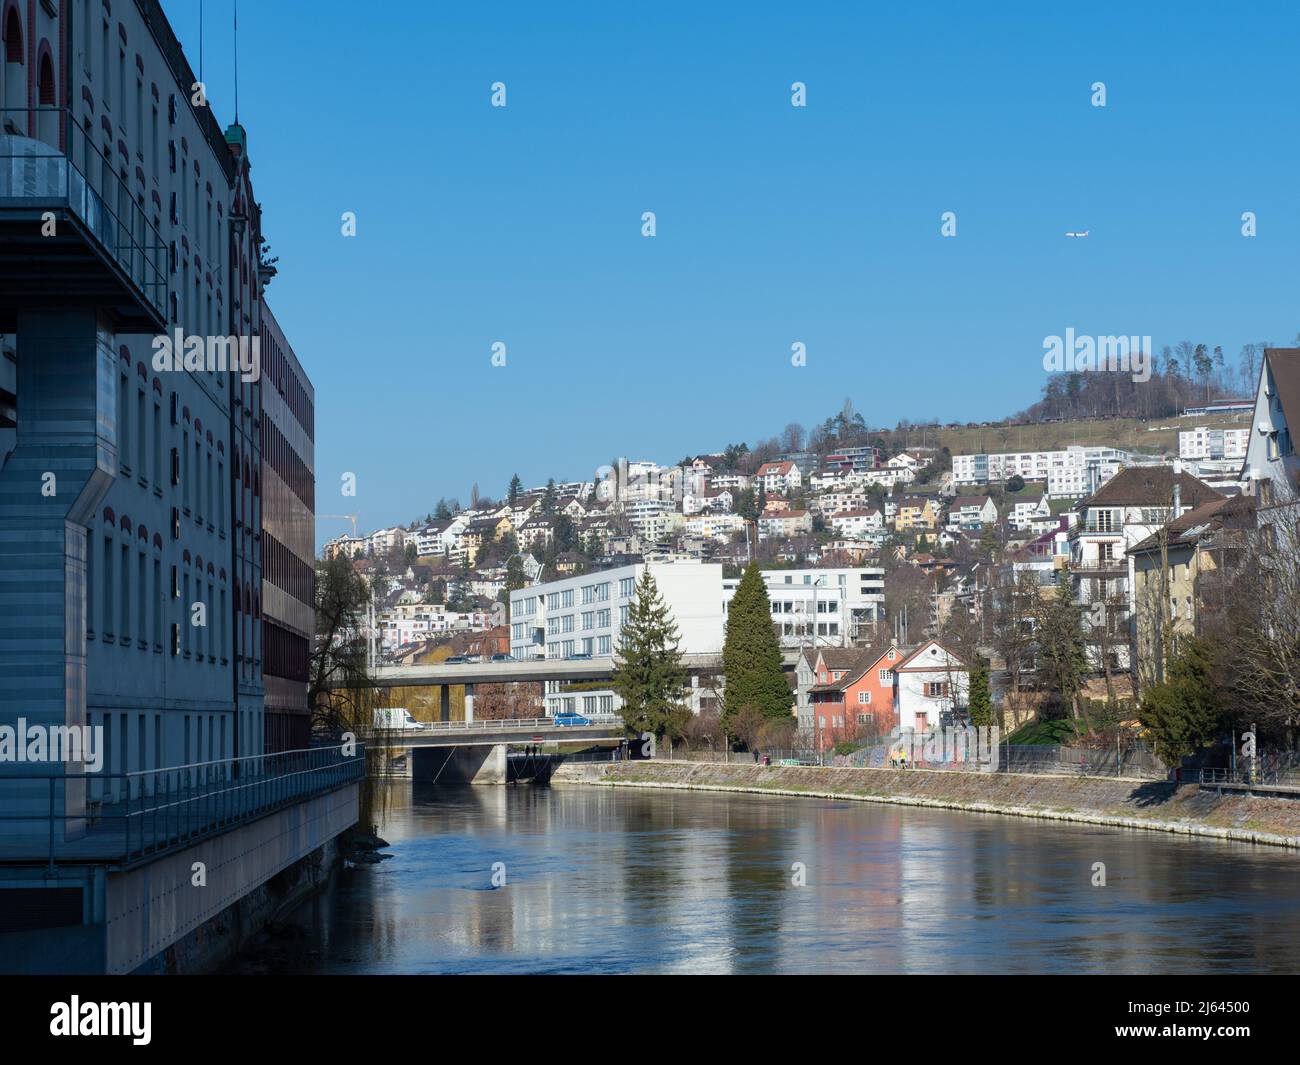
point(571, 719)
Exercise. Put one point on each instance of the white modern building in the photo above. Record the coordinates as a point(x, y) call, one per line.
point(584, 615)
point(1075, 470)
point(822, 607)
point(1206, 443)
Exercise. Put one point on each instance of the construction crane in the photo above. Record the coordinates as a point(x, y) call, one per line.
point(343, 517)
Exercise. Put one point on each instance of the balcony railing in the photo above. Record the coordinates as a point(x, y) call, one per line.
point(128, 817)
point(36, 174)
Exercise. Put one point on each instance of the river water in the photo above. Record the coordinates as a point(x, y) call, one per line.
point(629, 880)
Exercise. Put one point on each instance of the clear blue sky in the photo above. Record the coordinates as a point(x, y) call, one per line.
point(775, 224)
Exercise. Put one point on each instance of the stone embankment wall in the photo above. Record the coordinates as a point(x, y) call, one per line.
point(1157, 805)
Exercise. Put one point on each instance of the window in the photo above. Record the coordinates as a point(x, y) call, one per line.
point(602, 645)
point(123, 441)
point(936, 689)
point(887, 675)
point(142, 591)
point(863, 699)
point(626, 587)
point(108, 587)
point(125, 577)
point(157, 605)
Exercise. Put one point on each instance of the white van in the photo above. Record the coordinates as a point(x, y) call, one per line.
point(395, 717)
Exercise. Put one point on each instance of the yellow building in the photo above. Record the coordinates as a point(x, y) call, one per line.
point(1174, 577)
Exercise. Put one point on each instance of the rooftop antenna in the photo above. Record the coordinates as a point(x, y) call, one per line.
point(200, 41)
point(236, 4)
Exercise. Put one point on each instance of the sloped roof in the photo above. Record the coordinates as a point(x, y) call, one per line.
point(1284, 364)
point(1233, 512)
point(1150, 486)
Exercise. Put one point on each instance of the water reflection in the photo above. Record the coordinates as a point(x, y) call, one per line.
point(601, 880)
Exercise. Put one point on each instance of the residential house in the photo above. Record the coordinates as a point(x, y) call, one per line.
point(1126, 510)
point(856, 524)
point(779, 477)
point(1176, 577)
point(933, 688)
point(857, 702)
point(972, 513)
point(784, 524)
point(916, 512)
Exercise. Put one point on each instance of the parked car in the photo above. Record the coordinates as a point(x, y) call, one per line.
point(457, 660)
point(571, 719)
point(503, 658)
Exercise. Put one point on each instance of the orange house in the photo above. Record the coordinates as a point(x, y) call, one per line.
point(855, 702)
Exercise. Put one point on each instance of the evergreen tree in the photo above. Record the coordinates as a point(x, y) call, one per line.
point(648, 672)
point(751, 655)
point(1184, 712)
point(1061, 646)
point(516, 486)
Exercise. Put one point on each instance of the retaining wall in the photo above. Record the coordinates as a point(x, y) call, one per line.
point(1188, 809)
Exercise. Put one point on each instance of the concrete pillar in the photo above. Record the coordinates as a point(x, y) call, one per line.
point(51, 490)
point(469, 702)
point(444, 703)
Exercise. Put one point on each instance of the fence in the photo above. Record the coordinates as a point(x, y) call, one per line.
point(130, 816)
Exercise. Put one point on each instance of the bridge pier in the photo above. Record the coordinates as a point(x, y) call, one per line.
point(469, 764)
point(444, 703)
point(469, 702)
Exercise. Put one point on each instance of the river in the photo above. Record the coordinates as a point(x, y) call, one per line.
point(601, 880)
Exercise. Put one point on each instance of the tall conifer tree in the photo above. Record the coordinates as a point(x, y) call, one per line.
point(648, 672)
point(751, 656)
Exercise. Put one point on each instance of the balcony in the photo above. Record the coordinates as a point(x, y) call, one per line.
point(102, 251)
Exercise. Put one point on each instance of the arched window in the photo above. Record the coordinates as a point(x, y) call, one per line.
point(47, 119)
point(45, 78)
point(13, 83)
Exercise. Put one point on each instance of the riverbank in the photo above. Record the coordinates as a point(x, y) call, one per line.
point(1160, 806)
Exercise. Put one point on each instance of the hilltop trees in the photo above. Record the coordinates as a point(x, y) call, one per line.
point(648, 672)
point(751, 656)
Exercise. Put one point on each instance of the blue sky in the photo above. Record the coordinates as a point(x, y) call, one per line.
point(775, 224)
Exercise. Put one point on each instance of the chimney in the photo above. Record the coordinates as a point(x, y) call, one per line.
point(1178, 498)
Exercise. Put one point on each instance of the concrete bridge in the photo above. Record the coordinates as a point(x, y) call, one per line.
point(539, 670)
point(475, 752)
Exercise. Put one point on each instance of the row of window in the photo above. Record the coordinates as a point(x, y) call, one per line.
point(280, 372)
point(127, 602)
point(284, 569)
point(281, 457)
point(591, 704)
point(196, 466)
point(600, 645)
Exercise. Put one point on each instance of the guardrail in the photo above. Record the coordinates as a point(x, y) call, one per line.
point(131, 816)
point(77, 176)
point(502, 725)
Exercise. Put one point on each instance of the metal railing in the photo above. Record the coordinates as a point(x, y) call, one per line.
point(501, 725)
point(35, 172)
point(122, 818)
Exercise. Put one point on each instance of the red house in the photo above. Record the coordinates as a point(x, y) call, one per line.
point(854, 701)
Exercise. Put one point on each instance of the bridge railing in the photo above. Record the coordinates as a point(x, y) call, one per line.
point(122, 818)
point(498, 725)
